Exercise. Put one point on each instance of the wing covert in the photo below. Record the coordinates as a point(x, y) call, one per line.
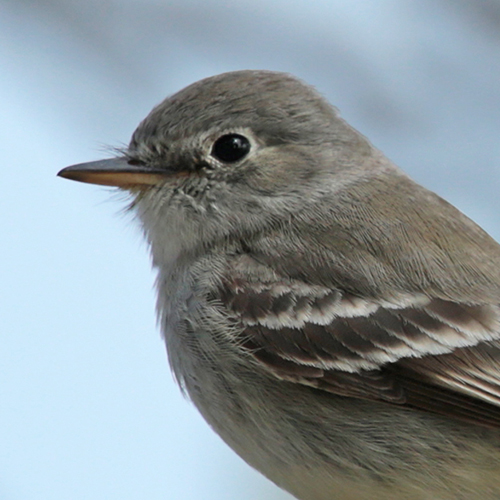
point(414, 350)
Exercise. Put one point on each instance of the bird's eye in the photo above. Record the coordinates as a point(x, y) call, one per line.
point(230, 148)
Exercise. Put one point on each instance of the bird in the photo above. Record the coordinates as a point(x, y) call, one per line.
point(335, 322)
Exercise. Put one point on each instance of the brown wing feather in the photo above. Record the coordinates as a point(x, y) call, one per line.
point(416, 351)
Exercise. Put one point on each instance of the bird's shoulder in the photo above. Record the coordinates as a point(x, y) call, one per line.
point(322, 304)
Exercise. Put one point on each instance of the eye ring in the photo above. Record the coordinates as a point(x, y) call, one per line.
point(230, 148)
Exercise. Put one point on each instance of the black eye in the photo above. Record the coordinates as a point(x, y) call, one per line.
point(230, 148)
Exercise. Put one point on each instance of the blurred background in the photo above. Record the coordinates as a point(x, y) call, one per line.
point(88, 408)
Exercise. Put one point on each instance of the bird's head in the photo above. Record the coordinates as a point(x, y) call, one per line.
point(230, 154)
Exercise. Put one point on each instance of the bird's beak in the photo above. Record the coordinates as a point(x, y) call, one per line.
point(114, 172)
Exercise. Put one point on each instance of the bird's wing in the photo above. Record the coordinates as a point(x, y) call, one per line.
point(413, 349)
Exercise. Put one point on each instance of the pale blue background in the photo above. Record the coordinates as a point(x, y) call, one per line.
point(88, 409)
